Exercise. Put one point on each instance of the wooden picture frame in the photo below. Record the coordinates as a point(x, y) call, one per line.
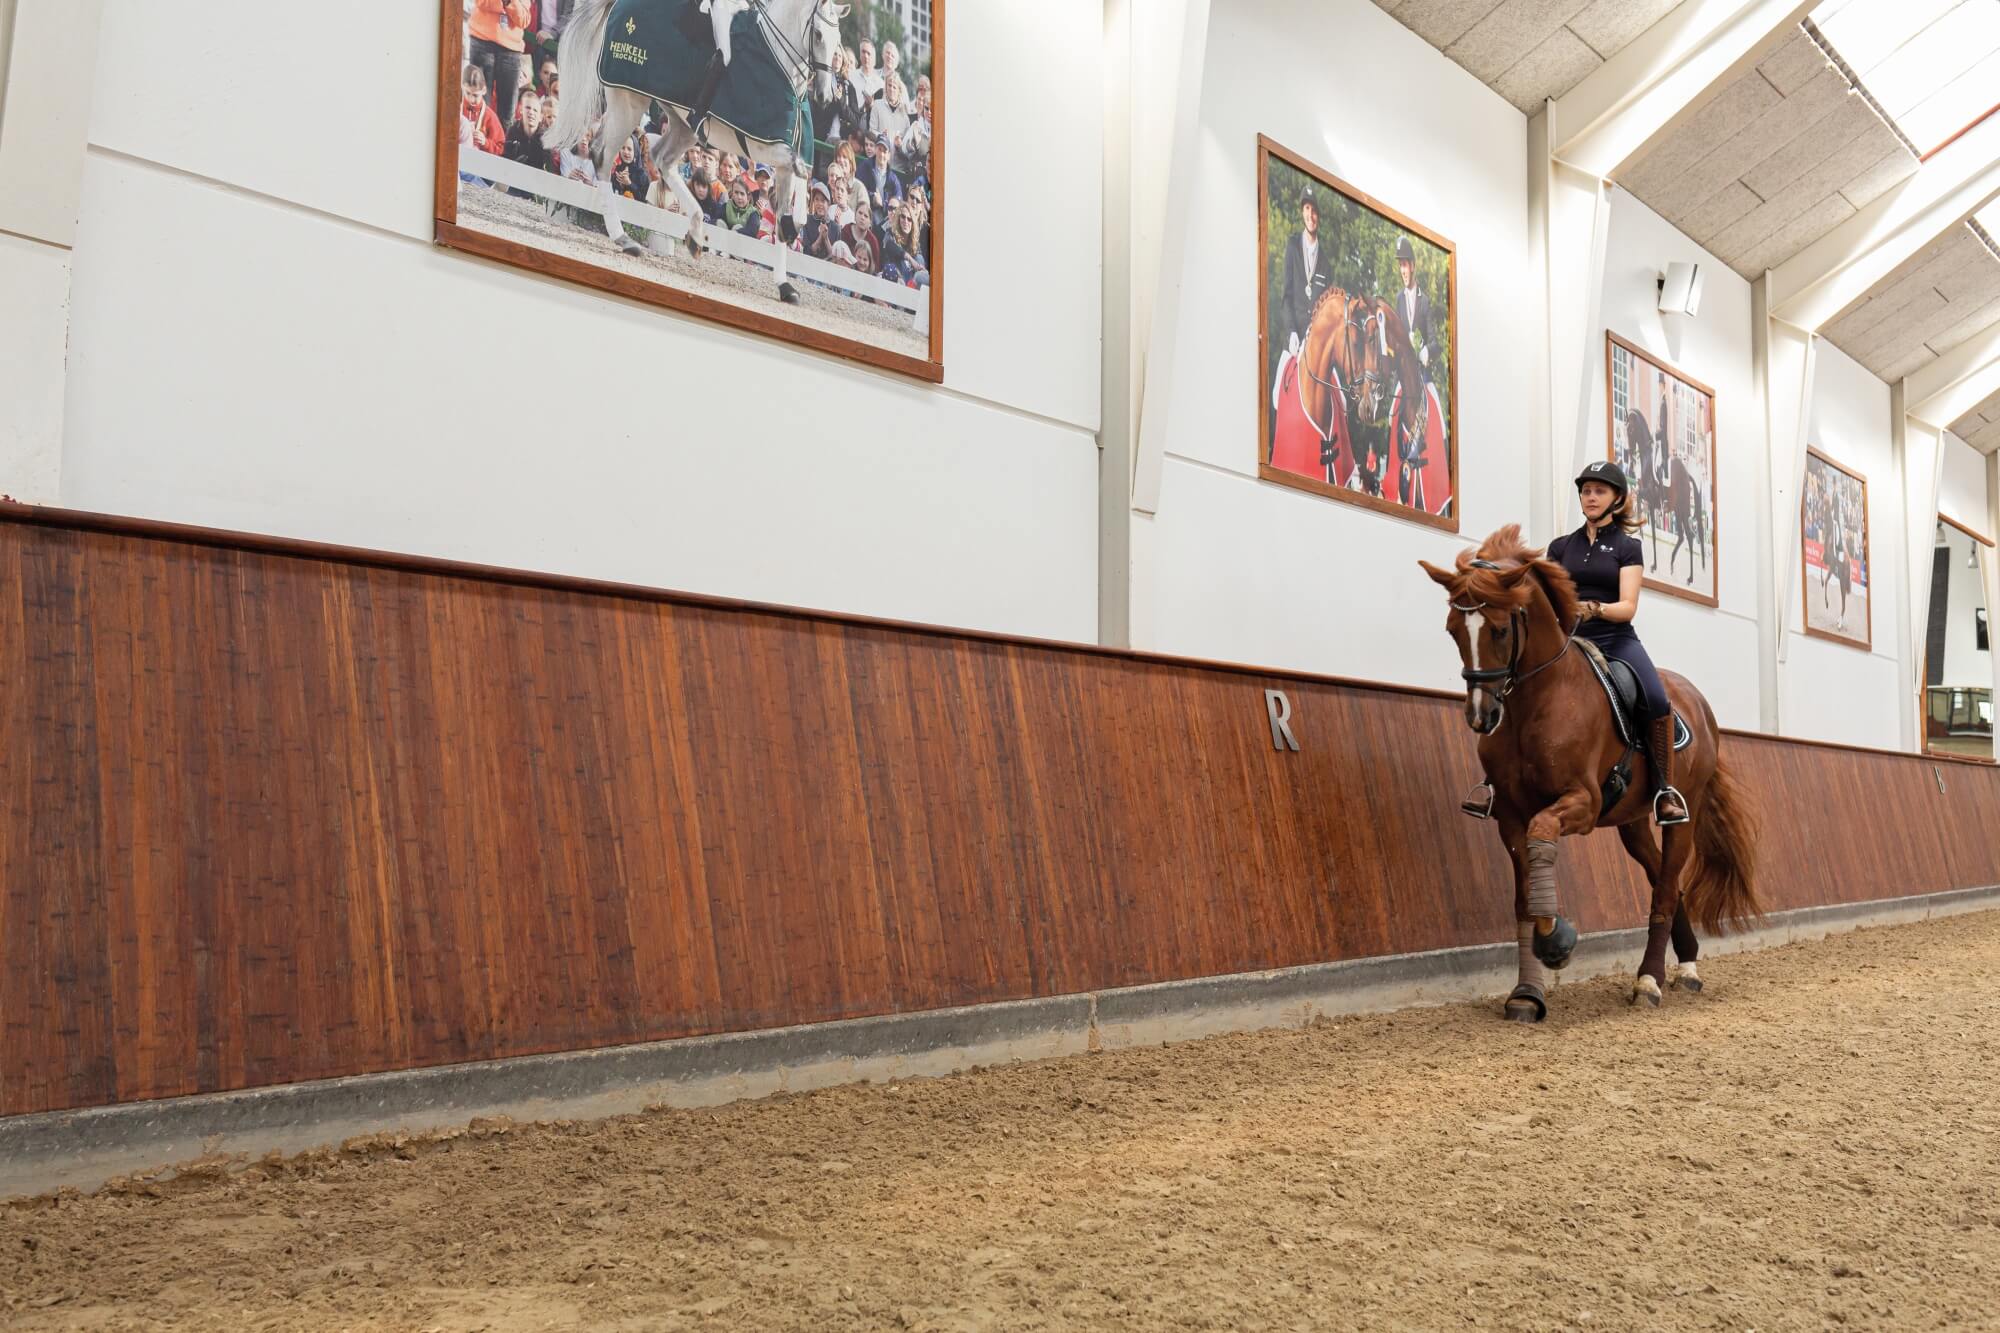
point(1924, 687)
point(1867, 640)
point(450, 232)
point(1705, 542)
point(1272, 367)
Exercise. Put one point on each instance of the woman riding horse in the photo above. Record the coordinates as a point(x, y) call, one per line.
point(1606, 562)
point(1555, 763)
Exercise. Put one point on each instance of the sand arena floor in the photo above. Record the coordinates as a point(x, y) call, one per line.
point(1812, 1143)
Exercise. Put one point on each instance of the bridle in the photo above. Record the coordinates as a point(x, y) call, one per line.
point(1355, 334)
point(816, 26)
point(1509, 677)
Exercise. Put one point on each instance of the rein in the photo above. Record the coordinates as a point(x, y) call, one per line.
point(783, 45)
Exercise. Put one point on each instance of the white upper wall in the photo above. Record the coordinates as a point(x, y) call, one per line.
point(1714, 647)
point(1962, 487)
point(1237, 568)
point(1833, 692)
point(263, 338)
point(1965, 663)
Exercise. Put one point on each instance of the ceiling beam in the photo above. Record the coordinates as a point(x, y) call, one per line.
point(1827, 276)
point(1640, 92)
point(1960, 380)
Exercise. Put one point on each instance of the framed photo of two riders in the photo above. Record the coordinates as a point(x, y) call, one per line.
point(1357, 345)
point(775, 166)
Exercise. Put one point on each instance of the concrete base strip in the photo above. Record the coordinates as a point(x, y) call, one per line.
point(83, 1149)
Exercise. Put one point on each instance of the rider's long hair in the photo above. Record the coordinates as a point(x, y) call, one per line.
point(1625, 514)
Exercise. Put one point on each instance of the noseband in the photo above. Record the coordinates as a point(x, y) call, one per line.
point(1509, 677)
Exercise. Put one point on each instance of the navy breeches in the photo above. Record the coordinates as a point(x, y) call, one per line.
point(1627, 649)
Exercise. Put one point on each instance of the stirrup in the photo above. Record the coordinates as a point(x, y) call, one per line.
point(1662, 795)
point(1475, 807)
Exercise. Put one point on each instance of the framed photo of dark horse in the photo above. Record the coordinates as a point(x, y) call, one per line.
point(1357, 345)
point(1833, 553)
point(1660, 426)
point(744, 161)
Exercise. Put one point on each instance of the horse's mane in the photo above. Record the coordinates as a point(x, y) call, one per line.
point(1490, 586)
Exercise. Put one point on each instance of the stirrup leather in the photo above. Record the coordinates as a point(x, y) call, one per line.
point(1476, 807)
point(1662, 795)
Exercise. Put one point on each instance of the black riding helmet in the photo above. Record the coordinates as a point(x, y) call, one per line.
point(1610, 474)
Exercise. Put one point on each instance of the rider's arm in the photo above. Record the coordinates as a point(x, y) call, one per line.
point(1630, 578)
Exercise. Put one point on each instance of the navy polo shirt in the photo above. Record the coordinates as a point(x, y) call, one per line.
point(1593, 567)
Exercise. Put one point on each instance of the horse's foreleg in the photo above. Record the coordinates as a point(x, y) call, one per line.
point(780, 241)
point(1553, 938)
point(1530, 1001)
point(786, 292)
point(622, 115)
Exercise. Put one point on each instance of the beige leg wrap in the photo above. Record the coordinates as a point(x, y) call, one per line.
point(1541, 879)
point(1532, 971)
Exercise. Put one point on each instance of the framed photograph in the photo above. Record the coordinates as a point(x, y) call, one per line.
point(776, 166)
point(1833, 546)
point(1661, 428)
point(1357, 345)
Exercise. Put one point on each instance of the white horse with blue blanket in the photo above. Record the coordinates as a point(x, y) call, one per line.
point(802, 36)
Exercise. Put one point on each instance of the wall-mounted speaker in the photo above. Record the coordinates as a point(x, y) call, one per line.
point(1680, 289)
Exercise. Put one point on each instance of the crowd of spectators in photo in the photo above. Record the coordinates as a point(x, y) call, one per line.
point(869, 202)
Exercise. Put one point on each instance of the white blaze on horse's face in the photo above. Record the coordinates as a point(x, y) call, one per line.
point(1484, 643)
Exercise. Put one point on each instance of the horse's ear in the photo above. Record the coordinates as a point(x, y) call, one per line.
point(1442, 577)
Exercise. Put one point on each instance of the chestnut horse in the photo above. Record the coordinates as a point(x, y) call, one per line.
point(1547, 743)
point(1418, 461)
point(1322, 393)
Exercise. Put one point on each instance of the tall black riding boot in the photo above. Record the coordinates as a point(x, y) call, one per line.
point(704, 97)
point(1669, 807)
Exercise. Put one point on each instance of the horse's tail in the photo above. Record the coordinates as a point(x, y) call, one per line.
point(1722, 890)
point(582, 90)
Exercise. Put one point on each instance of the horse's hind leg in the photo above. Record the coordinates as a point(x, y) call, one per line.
point(1664, 865)
point(1686, 949)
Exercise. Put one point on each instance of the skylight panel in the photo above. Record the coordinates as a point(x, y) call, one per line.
point(1931, 66)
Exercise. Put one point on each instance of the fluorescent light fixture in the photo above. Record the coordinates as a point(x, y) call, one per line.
point(1933, 66)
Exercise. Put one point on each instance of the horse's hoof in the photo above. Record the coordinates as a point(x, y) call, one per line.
point(1686, 980)
point(1553, 949)
point(1526, 1005)
point(788, 293)
point(1647, 989)
point(693, 247)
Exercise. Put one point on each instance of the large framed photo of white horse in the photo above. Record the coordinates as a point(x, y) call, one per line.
point(1661, 428)
point(775, 165)
point(1357, 345)
point(1833, 553)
